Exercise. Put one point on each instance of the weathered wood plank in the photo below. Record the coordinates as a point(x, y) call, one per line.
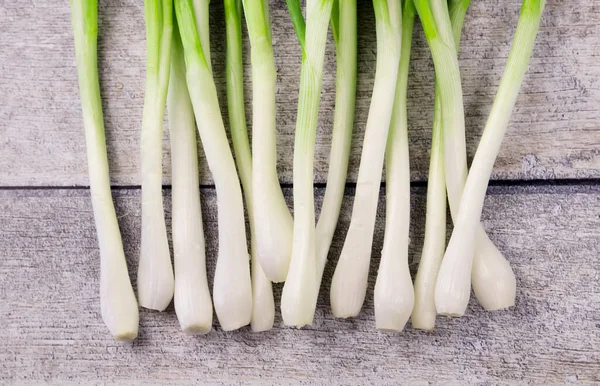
point(554, 131)
point(52, 331)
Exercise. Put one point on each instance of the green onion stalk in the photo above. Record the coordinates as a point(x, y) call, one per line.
point(202, 16)
point(462, 246)
point(492, 277)
point(349, 284)
point(494, 282)
point(274, 223)
point(440, 38)
point(424, 312)
point(232, 289)
point(193, 303)
point(263, 309)
point(299, 297)
point(155, 279)
point(118, 305)
point(394, 295)
point(343, 25)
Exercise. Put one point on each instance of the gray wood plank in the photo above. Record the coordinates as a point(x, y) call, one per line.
point(554, 131)
point(52, 332)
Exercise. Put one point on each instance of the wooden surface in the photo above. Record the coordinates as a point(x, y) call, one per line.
point(554, 130)
point(52, 330)
point(549, 229)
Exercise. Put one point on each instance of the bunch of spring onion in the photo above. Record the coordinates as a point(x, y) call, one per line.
point(454, 277)
point(118, 305)
point(448, 292)
point(179, 75)
point(470, 254)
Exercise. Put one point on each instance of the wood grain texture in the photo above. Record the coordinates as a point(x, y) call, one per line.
point(52, 331)
point(554, 132)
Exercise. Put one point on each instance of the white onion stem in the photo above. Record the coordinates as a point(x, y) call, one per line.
point(193, 304)
point(493, 281)
point(263, 305)
point(155, 273)
point(394, 294)
point(345, 35)
point(424, 312)
point(349, 283)
point(118, 306)
point(299, 298)
point(461, 247)
point(274, 223)
point(232, 289)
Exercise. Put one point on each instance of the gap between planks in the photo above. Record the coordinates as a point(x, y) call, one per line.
point(349, 185)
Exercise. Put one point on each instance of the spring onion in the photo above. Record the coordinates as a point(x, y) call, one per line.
point(493, 280)
point(394, 295)
point(118, 305)
point(263, 308)
point(232, 289)
point(424, 312)
point(274, 224)
point(349, 283)
point(343, 25)
point(494, 284)
point(450, 96)
point(202, 16)
point(438, 31)
point(459, 254)
point(155, 274)
point(298, 300)
point(193, 304)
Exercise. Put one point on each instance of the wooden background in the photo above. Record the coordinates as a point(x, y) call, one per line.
point(543, 211)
